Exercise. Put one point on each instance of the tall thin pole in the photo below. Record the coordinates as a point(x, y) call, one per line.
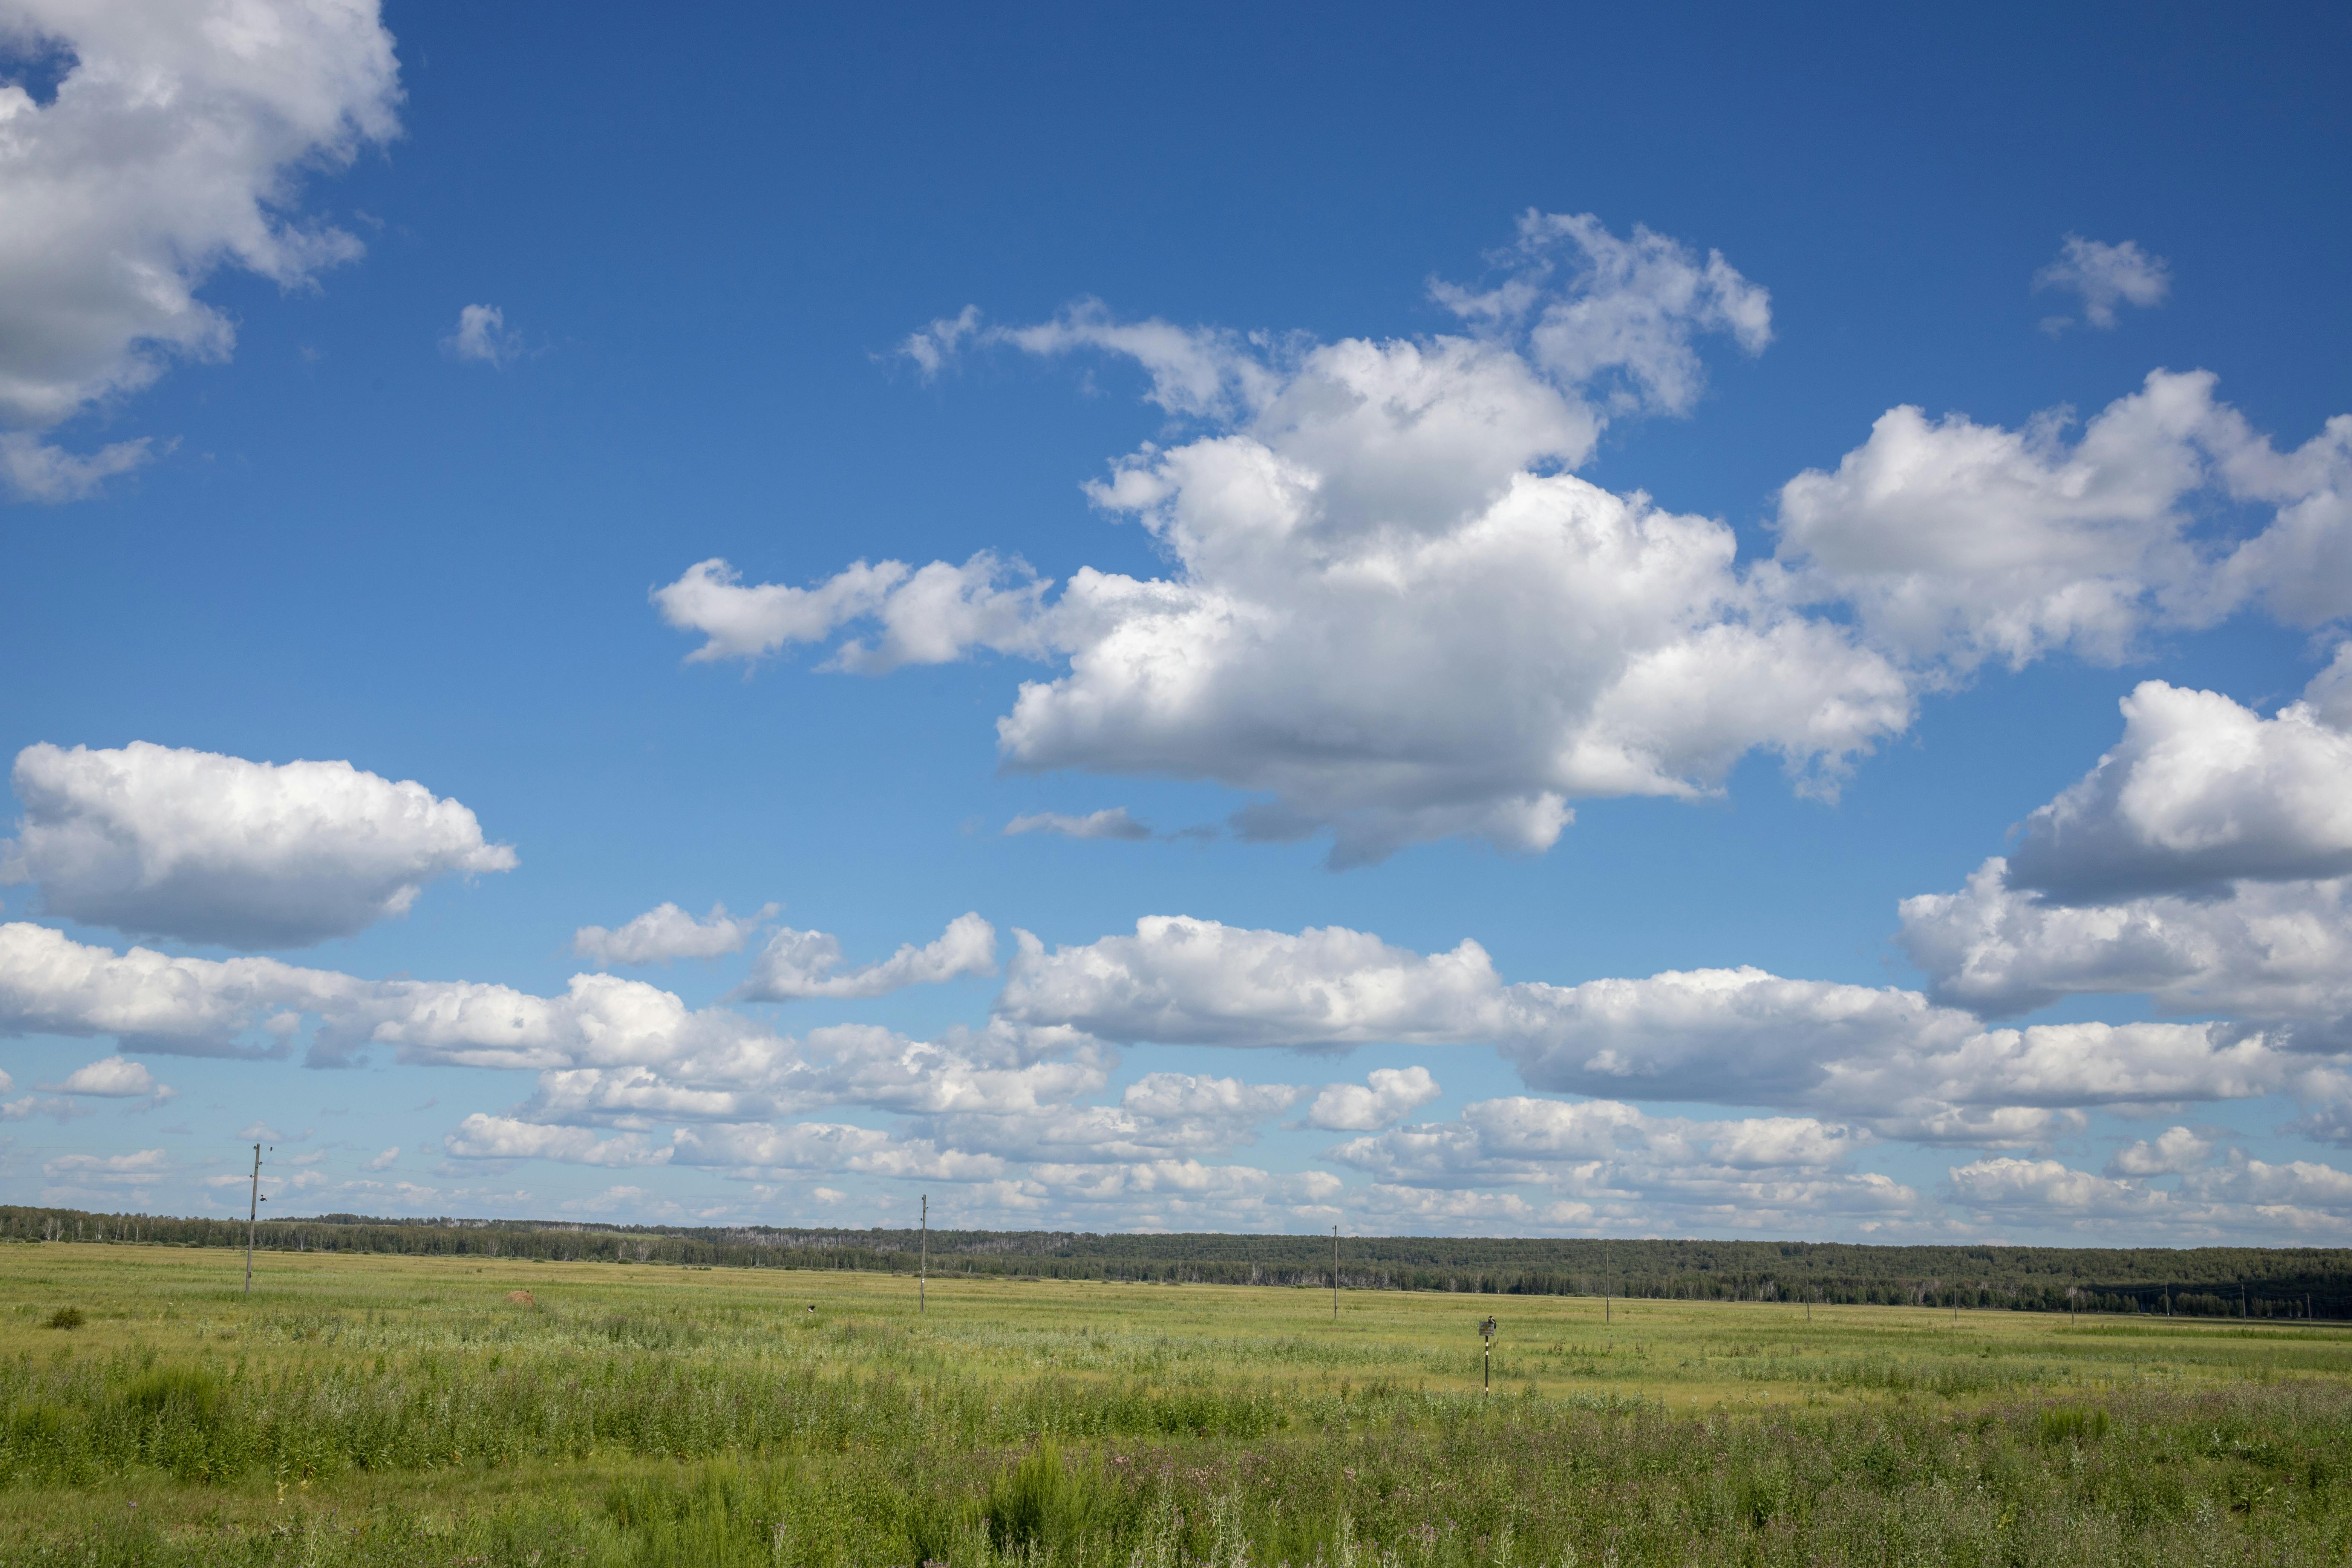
point(1604, 1298)
point(923, 1268)
point(252, 1219)
point(1334, 1273)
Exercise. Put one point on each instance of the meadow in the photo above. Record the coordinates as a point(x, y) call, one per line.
point(361, 1409)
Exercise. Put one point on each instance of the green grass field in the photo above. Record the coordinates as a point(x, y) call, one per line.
point(389, 1410)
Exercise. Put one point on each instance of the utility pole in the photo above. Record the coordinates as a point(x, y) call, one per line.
point(1604, 1299)
point(252, 1219)
point(1334, 1273)
point(923, 1263)
point(1487, 1375)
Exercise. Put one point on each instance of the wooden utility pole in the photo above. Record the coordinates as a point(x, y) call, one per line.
point(252, 1219)
point(923, 1263)
point(1334, 1273)
point(1604, 1298)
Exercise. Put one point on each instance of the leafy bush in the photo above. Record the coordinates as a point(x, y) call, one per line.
point(65, 1318)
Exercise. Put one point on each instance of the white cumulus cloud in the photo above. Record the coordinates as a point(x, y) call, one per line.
point(1957, 543)
point(480, 1137)
point(1601, 1163)
point(2174, 1152)
point(176, 143)
point(51, 985)
point(112, 1078)
point(2202, 863)
point(211, 849)
point(799, 964)
point(2046, 1189)
point(1388, 1096)
point(1741, 1037)
point(666, 932)
point(2199, 793)
point(1391, 614)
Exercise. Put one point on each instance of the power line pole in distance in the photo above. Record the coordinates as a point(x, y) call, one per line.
point(923, 1258)
point(1334, 1273)
point(252, 1219)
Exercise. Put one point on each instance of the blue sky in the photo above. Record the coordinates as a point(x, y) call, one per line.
point(1682, 501)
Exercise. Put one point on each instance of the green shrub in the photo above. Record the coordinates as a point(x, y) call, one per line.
point(1043, 1503)
point(2063, 1426)
point(65, 1318)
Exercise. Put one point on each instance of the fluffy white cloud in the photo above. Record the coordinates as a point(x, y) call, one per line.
point(2171, 1152)
point(174, 144)
point(933, 615)
point(798, 963)
point(1112, 822)
point(1390, 613)
point(150, 1002)
point(2300, 1184)
point(1178, 1194)
point(1957, 543)
point(2204, 862)
point(482, 338)
point(480, 1137)
point(2105, 276)
point(1162, 1115)
point(757, 1149)
point(112, 1078)
point(666, 932)
point(1389, 1095)
point(2271, 952)
point(1178, 980)
point(2046, 1190)
point(2199, 793)
point(383, 1161)
point(1602, 1163)
point(144, 1166)
point(1171, 1096)
point(2228, 1201)
point(211, 848)
point(1742, 1037)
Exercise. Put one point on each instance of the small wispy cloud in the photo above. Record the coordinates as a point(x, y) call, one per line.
point(1113, 822)
point(2105, 276)
point(482, 338)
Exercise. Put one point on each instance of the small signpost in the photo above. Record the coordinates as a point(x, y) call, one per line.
point(1486, 1332)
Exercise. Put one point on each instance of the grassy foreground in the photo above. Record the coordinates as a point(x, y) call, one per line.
point(391, 1410)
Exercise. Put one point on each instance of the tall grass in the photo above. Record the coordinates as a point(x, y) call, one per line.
point(421, 1417)
point(2254, 1474)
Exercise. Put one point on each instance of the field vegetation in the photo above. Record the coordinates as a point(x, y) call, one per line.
point(384, 1409)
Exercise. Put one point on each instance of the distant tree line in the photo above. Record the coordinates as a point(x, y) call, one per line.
point(2205, 1282)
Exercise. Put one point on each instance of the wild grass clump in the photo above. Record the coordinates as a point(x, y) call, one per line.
point(66, 1318)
